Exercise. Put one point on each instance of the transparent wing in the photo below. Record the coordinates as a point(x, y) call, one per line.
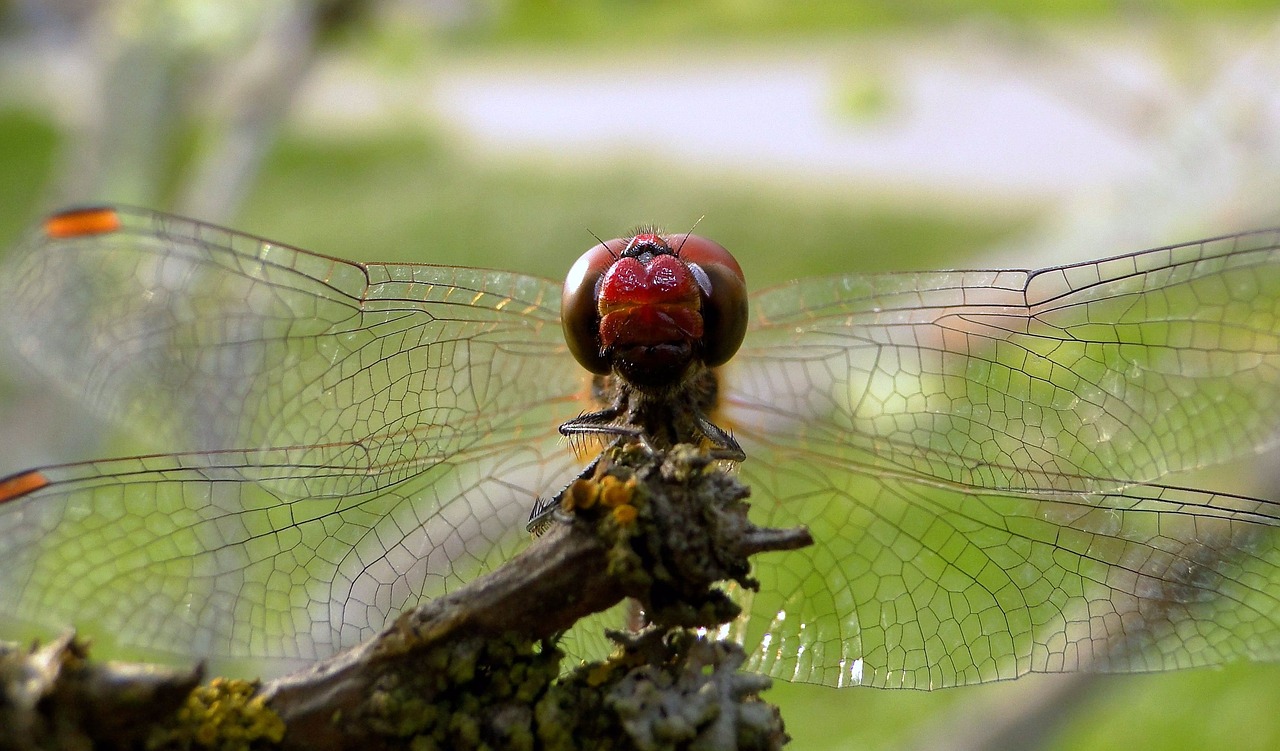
point(356, 437)
point(970, 450)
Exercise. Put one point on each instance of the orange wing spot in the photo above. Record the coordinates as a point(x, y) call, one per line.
point(16, 486)
point(79, 222)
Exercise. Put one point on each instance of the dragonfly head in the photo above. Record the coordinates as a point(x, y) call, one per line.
point(649, 306)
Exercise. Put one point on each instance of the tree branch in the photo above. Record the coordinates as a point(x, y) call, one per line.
point(480, 665)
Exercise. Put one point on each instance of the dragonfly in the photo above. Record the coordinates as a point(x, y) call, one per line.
point(982, 457)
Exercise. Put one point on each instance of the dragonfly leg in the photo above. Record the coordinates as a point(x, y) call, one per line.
point(602, 422)
point(546, 510)
point(726, 446)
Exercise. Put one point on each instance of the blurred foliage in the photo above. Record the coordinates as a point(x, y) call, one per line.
point(1194, 709)
point(27, 146)
point(614, 22)
point(410, 197)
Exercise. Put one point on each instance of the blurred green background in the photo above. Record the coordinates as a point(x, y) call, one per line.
point(809, 138)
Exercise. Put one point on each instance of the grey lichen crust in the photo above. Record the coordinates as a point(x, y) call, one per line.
point(663, 689)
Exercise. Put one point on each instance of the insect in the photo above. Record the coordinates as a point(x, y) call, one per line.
point(977, 453)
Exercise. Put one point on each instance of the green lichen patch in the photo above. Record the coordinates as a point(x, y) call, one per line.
point(225, 715)
point(468, 693)
point(679, 545)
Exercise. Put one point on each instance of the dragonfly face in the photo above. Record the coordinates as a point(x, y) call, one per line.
point(976, 453)
point(649, 311)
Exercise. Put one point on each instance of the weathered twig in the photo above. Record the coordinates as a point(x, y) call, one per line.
point(54, 698)
point(480, 666)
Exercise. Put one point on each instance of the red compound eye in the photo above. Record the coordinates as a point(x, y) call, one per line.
point(579, 310)
point(724, 295)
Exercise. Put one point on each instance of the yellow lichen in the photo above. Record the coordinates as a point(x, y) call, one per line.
point(585, 493)
point(225, 714)
point(625, 515)
point(615, 492)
